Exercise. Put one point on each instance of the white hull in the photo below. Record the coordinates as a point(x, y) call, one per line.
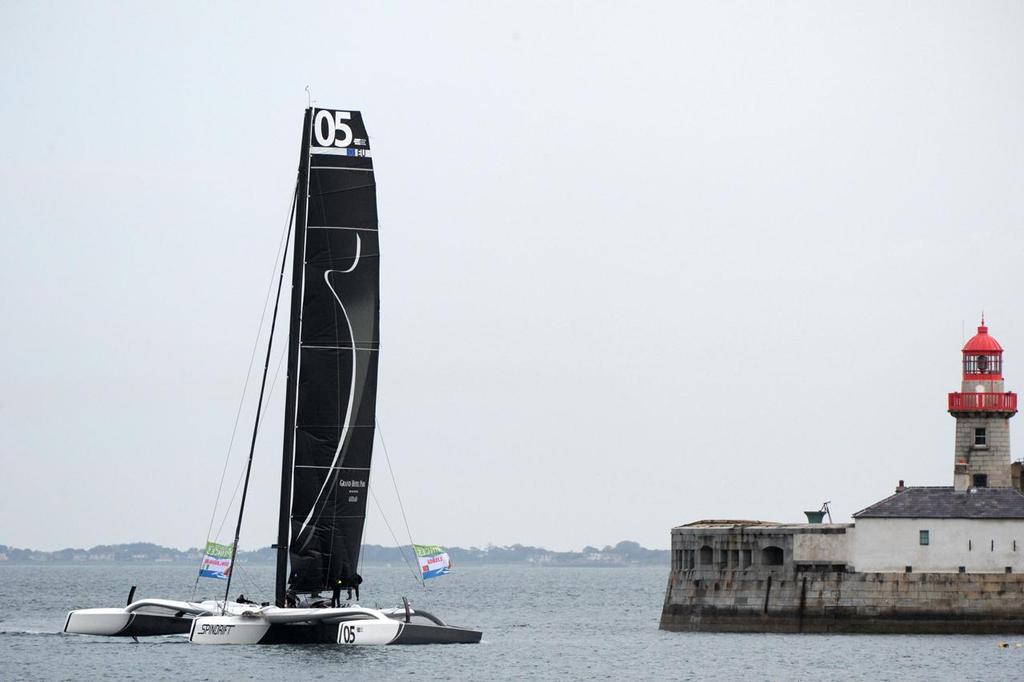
point(345, 626)
point(107, 622)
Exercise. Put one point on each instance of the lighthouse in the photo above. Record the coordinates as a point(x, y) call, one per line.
point(982, 409)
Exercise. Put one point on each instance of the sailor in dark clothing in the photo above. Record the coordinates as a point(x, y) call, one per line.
point(353, 584)
point(336, 596)
point(350, 583)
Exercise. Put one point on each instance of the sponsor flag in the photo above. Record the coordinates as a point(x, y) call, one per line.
point(216, 561)
point(434, 561)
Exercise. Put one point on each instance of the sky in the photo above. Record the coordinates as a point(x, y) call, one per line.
point(642, 263)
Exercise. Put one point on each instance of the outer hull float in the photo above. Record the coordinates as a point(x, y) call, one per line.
point(144, 618)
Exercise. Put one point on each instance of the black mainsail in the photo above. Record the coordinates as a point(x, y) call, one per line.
point(332, 357)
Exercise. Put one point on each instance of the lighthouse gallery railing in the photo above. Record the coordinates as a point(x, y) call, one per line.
point(996, 402)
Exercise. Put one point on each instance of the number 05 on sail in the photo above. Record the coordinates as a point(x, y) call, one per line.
point(333, 344)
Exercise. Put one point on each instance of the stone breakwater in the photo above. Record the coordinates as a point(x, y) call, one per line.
point(841, 601)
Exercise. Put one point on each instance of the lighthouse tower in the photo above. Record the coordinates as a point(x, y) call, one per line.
point(982, 410)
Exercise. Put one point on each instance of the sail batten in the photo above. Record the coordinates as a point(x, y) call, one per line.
point(332, 379)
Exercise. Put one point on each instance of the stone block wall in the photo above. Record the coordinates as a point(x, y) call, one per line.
point(838, 601)
point(992, 459)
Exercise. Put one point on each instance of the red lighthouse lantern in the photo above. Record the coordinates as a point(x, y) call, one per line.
point(982, 388)
point(983, 357)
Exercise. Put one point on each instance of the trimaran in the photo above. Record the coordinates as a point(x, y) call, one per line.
point(329, 427)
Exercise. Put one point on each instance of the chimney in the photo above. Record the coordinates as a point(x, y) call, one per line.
point(900, 487)
point(961, 479)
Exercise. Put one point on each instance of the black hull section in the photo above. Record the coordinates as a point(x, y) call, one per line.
point(408, 633)
point(302, 633)
point(414, 633)
point(146, 625)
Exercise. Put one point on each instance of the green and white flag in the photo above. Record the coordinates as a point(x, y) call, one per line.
point(434, 561)
point(216, 561)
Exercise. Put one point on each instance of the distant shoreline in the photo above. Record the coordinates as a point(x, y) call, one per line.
point(625, 553)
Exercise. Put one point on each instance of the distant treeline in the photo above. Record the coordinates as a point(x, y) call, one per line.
point(623, 554)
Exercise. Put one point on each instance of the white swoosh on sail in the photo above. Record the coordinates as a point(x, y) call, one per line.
point(355, 262)
point(352, 388)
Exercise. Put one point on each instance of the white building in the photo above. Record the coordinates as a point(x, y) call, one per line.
point(975, 525)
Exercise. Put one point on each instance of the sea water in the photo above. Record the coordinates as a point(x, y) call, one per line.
point(539, 623)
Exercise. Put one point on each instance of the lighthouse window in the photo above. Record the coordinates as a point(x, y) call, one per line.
point(983, 364)
point(980, 437)
point(980, 480)
point(922, 537)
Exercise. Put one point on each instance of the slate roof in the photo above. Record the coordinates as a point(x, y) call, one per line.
point(942, 502)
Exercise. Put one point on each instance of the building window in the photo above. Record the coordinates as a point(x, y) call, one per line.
point(922, 537)
point(980, 437)
point(705, 555)
point(908, 569)
point(962, 569)
point(980, 480)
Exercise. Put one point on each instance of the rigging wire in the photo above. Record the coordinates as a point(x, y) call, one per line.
point(245, 386)
point(250, 581)
point(387, 457)
point(416, 575)
point(259, 406)
point(394, 483)
point(241, 475)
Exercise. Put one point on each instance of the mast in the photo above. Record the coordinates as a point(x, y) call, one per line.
point(291, 393)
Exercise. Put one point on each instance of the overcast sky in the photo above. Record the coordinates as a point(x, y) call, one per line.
point(641, 264)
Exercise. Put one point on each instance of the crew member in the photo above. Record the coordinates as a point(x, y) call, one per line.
point(336, 595)
point(353, 584)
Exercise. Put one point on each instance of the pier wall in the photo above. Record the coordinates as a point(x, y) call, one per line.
point(840, 601)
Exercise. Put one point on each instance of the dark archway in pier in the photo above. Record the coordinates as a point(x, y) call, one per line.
point(771, 556)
